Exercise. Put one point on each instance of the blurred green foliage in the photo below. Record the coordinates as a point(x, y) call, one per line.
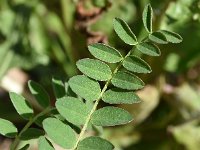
point(44, 38)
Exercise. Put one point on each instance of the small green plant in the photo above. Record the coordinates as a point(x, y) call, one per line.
point(67, 122)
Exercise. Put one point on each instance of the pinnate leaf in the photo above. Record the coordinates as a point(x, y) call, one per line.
point(59, 132)
point(73, 110)
point(85, 87)
point(126, 80)
point(136, 64)
point(117, 96)
point(95, 69)
point(147, 18)
point(95, 143)
point(44, 144)
point(31, 133)
point(172, 37)
point(39, 93)
point(124, 32)
point(58, 88)
point(158, 37)
point(105, 53)
point(21, 105)
point(148, 49)
point(7, 128)
point(110, 116)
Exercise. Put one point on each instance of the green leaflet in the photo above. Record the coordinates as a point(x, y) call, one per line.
point(7, 128)
point(39, 93)
point(171, 36)
point(147, 18)
point(158, 37)
point(73, 110)
point(85, 87)
point(148, 49)
point(117, 96)
point(59, 132)
point(58, 88)
point(127, 81)
point(110, 116)
point(95, 69)
point(25, 147)
point(124, 32)
point(136, 64)
point(31, 133)
point(21, 105)
point(105, 53)
point(95, 143)
point(44, 144)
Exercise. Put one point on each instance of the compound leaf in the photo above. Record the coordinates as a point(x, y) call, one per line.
point(7, 128)
point(58, 88)
point(110, 116)
point(59, 132)
point(73, 110)
point(117, 96)
point(127, 81)
point(158, 37)
point(172, 36)
point(124, 32)
point(85, 87)
point(94, 143)
point(21, 105)
point(44, 144)
point(105, 53)
point(39, 93)
point(148, 49)
point(95, 69)
point(147, 18)
point(31, 133)
point(136, 64)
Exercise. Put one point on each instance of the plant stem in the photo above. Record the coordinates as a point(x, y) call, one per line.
point(97, 102)
point(31, 121)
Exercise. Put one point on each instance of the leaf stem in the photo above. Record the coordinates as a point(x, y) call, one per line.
point(31, 121)
point(97, 102)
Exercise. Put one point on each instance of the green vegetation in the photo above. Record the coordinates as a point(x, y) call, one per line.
point(107, 105)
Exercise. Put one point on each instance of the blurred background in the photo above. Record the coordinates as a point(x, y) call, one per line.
point(44, 38)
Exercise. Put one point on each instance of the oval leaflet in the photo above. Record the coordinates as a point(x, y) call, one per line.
point(105, 53)
point(110, 116)
point(94, 69)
